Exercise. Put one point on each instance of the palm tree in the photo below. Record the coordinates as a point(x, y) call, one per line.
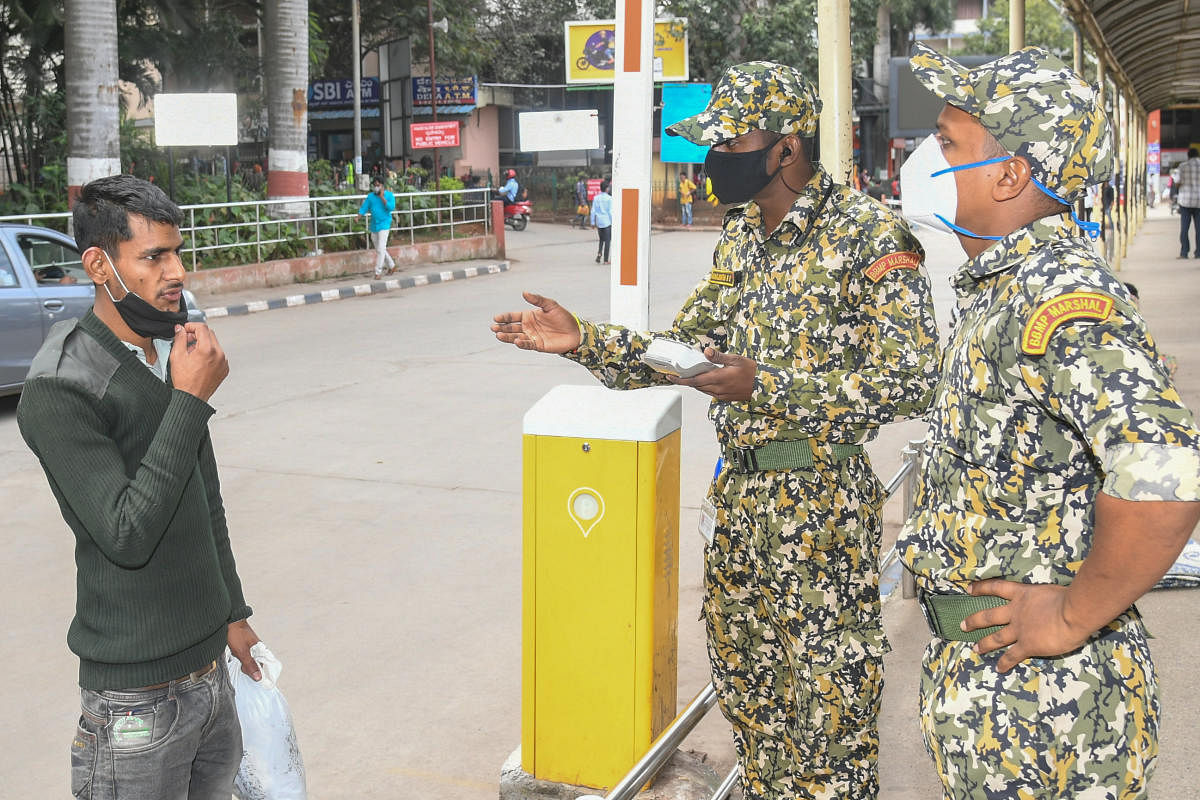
point(93, 99)
point(287, 98)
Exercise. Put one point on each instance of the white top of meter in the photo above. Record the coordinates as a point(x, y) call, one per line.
point(644, 415)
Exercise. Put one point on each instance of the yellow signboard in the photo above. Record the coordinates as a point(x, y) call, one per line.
point(592, 50)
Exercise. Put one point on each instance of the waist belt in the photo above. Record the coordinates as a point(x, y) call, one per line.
point(795, 454)
point(945, 612)
point(191, 676)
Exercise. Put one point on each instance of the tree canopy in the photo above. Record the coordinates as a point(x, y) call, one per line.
point(1044, 27)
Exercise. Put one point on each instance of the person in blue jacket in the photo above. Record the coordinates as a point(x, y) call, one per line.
point(378, 207)
point(602, 220)
point(511, 189)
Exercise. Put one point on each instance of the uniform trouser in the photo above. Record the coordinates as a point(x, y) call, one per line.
point(1084, 725)
point(381, 254)
point(794, 634)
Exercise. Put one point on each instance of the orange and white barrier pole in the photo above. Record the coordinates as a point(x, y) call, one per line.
point(633, 116)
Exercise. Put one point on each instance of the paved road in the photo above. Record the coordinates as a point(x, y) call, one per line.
point(370, 461)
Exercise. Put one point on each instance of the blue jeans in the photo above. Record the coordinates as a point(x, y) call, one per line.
point(1188, 217)
point(687, 213)
point(178, 742)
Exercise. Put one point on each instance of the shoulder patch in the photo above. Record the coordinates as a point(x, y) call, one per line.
point(904, 260)
point(1051, 314)
point(722, 277)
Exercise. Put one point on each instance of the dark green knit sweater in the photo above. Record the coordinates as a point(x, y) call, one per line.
point(130, 461)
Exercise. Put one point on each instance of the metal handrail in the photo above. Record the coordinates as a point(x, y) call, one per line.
point(905, 477)
point(665, 745)
point(277, 221)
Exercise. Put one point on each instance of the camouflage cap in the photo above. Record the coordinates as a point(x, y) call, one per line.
point(1036, 107)
point(757, 95)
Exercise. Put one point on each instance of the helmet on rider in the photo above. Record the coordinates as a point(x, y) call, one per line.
point(512, 173)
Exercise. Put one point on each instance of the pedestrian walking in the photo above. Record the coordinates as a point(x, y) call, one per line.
point(124, 441)
point(818, 311)
point(687, 192)
point(1188, 198)
point(602, 220)
point(1062, 470)
point(581, 201)
point(378, 207)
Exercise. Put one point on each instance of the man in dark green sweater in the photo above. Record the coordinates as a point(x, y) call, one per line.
point(115, 407)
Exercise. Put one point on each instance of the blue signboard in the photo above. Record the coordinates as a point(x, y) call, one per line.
point(335, 93)
point(680, 101)
point(451, 91)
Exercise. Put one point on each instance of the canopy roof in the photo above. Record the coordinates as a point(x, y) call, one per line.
point(1156, 44)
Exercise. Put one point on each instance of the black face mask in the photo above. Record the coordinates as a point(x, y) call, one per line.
point(738, 177)
point(143, 318)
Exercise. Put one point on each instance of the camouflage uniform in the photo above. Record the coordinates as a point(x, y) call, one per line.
point(834, 307)
point(1051, 391)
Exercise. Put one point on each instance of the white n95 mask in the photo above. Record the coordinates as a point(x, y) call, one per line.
point(928, 193)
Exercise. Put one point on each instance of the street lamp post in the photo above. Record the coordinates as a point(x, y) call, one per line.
point(437, 170)
point(355, 92)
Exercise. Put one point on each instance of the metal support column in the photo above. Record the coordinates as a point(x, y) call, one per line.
point(833, 59)
point(1016, 25)
point(356, 92)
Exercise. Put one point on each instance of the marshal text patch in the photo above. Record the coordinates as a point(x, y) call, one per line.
point(721, 277)
point(905, 260)
point(1064, 308)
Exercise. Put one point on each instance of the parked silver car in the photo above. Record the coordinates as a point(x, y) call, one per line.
point(42, 281)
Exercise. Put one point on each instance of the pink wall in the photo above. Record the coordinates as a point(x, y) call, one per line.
point(480, 143)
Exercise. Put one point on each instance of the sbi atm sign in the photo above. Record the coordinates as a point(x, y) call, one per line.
point(336, 93)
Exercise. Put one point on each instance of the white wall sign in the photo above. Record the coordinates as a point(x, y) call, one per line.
point(560, 130)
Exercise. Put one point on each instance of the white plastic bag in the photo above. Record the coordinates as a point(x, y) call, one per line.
point(272, 768)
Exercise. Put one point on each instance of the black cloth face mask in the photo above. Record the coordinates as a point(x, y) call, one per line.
point(143, 318)
point(738, 177)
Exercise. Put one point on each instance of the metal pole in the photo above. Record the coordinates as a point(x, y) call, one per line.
point(1077, 49)
point(437, 166)
point(912, 453)
point(726, 785)
point(355, 92)
point(833, 60)
point(1016, 25)
point(1127, 147)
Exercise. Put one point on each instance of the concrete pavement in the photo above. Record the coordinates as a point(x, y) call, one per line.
point(371, 470)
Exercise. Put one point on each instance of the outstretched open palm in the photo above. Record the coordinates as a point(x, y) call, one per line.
point(547, 327)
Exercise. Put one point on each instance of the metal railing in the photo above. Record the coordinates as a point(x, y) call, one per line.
point(668, 742)
point(303, 225)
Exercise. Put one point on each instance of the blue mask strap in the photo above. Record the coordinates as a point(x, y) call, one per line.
point(966, 232)
point(969, 166)
point(1092, 229)
point(950, 224)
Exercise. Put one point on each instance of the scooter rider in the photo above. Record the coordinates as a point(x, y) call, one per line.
point(509, 192)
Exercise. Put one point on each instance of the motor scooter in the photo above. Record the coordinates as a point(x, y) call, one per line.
point(516, 214)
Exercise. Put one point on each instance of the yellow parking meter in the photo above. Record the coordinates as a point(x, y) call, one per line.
point(600, 574)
